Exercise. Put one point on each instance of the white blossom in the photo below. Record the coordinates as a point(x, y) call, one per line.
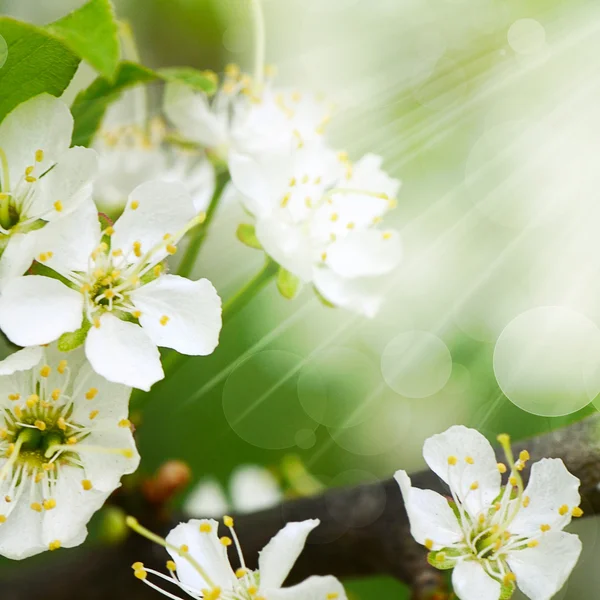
point(41, 178)
point(251, 488)
point(201, 567)
point(494, 537)
point(240, 117)
point(65, 443)
point(134, 149)
point(318, 216)
point(112, 283)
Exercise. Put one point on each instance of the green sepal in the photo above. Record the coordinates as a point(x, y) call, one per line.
point(287, 283)
point(507, 590)
point(73, 339)
point(199, 80)
point(455, 509)
point(322, 299)
point(246, 233)
point(443, 559)
point(38, 268)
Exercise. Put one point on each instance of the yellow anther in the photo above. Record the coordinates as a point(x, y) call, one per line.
point(167, 237)
point(39, 155)
point(55, 545)
point(532, 543)
point(293, 181)
point(29, 170)
point(171, 249)
point(509, 578)
point(91, 393)
point(41, 425)
point(503, 439)
point(55, 395)
point(94, 414)
point(205, 528)
point(452, 460)
point(32, 400)
point(109, 294)
point(440, 557)
point(512, 481)
point(475, 485)
point(323, 256)
point(428, 544)
point(498, 544)
point(8, 499)
point(124, 423)
point(45, 371)
point(501, 467)
point(253, 590)
point(39, 476)
point(469, 460)
point(240, 572)
point(137, 248)
point(228, 521)
point(526, 501)
point(519, 466)
point(18, 412)
point(497, 506)
point(2, 519)
point(58, 206)
point(14, 397)
point(134, 205)
point(136, 566)
point(334, 217)
point(157, 270)
point(226, 541)
point(285, 200)
point(232, 70)
point(48, 466)
point(3, 433)
point(45, 404)
point(62, 424)
point(86, 484)
point(137, 314)
point(62, 365)
point(343, 156)
point(563, 510)
point(171, 566)
point(577, 512)
point(164, 320)
point(72, 440)
point(97, 322)
point(30, 179)
point(184, 548)
point(117, 252)
point(109, 231)
point(481, 518)
point(545, 527)
point(43, 257)
point(308, 202)
point(49, 504)
point(387, 235)
point(140, 574)
point(524, 456)
point(36, 506)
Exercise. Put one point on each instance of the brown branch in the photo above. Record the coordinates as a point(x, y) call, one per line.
point(364, 531)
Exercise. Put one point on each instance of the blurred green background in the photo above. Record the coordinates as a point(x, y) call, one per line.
point(487, 111)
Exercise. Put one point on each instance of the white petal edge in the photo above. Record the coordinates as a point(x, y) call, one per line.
point(471, 582)
point(22, 360)
point(313, 588)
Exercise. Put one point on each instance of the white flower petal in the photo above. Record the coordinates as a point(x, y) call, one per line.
point(430, 516)
point(465, 444)
point(262, 179)
point(550, 487)
point(197, 174)
point(254, 488)
point(314, 588)
point(207, 499)
point(287, 244)
point(42, 123)
point(190, 112)
point(542, 571)
point(471, 582)
point(277, 558)
point(361, 295)
point(37, 310)
point(123, 353)
point(365, 253)
point(22, 360)
point(18, 255)
point(161, 208)
point(207, 549)
point(368, 175)
point(193, 309)
point(69, 241)
point(69, 182)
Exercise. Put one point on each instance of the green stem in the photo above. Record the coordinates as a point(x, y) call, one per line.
point(4, 197)
point(230, 308)
point(197, 238)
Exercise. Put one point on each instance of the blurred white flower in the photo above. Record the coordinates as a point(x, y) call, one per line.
point(201, 567)
point(65, 443)
point(112, 285)
point(241, 118)
point(492, 536)
point(252, 488)
point(317, 215)
point(133, 149)
point(41, 178)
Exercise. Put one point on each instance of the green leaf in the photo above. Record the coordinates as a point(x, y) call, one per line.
point(287, 283)
point(74, 339)
point(91, 32)
point(246, 233)
point(36, 63)
point(91, 104)
point(204, 81)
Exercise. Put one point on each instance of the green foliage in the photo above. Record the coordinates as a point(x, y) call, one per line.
point(91, 104)
point(204, 81)
point(287, 284)
point(36, 63)
point(73, 339)
point(246, 233)
point(443, 559)
point(91, 32)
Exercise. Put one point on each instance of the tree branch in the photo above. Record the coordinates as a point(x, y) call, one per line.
point(364, 531)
